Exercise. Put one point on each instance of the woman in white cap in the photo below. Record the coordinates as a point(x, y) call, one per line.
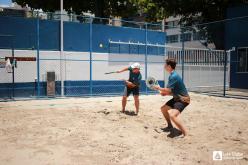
point(132, 85)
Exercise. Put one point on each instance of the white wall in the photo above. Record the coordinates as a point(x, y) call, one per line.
point(196, 77)
point(78, 65)
point(202, 77)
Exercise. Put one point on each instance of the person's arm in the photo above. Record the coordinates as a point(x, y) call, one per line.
point(123, 70)
point(168, 90)
point(163, 91)
point(128, 83)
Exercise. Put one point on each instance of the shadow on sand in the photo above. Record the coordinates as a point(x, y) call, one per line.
point(173, 132)
point(130, 113)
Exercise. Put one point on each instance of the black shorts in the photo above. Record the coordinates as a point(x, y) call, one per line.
point(128, 91)
point(179, 105)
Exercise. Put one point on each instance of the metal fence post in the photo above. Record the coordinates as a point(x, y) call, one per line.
point(165, 57)
point(109, 45)
point(225, 64)
point(182, 55)
point(129, 51)
point(146, 55)
point(62, 55)
point(91, 19)
point(38, 54)
point(13, 67)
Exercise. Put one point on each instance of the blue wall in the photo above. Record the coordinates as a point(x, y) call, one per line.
point(72, 88)
point(76, 35)
point(76, 38)
point(237, 36)
point(23, 30)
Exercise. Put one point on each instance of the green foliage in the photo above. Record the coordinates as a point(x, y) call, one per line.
point(192, 12)
point(101, 8)
point(152, 11)
point(195, 12)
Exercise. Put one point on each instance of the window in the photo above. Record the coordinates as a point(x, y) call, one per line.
point(242, 59)
point(172, 24)
point(185, 37)
point(172, 38)
point(199, 36)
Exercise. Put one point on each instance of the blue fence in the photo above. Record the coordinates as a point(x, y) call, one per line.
point(76, 35)
point(41, 39)
point(88, 53)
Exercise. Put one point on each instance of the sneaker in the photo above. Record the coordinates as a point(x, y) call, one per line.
point(175, 133)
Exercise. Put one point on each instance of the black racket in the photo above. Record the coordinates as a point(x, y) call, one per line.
point(110, 72)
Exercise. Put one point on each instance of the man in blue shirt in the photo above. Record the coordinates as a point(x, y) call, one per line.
point(172, 109)
point(132, 85)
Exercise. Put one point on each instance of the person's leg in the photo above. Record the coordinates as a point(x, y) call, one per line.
point(174, 116)
point(164, 110)
point(136, 103)
point(124, 98)
point(124, 103)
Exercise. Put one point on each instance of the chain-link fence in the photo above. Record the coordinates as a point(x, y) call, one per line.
point(73, 63)
point(206, 53)
point(203, 70)
point(17, 79)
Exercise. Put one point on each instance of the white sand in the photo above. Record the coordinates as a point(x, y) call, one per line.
point(93, 131)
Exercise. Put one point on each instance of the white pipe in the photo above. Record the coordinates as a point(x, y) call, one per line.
point(156, 45)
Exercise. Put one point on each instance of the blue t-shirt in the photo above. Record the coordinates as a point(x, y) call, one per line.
point(175, 83)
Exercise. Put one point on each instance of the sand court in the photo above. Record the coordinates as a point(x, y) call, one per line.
point(94, 131)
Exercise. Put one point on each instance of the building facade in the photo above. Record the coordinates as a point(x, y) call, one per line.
point(175, 37)
point(236, 35)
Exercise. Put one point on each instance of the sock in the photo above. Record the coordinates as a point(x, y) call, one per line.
point(170, 125)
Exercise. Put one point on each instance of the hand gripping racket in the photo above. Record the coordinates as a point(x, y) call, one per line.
point(151, 82)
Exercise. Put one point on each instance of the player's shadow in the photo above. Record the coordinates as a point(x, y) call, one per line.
point(173, 133)
point(130, 113)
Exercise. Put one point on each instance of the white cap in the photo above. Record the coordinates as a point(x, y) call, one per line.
point(135, 65)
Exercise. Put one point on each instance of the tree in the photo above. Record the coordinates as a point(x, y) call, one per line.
point(192, 12)
point(195, 12)
point(101, 8)
point(152, 11)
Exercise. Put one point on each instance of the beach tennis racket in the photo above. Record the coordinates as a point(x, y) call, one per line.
point(110, 72)
point(151, 82)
